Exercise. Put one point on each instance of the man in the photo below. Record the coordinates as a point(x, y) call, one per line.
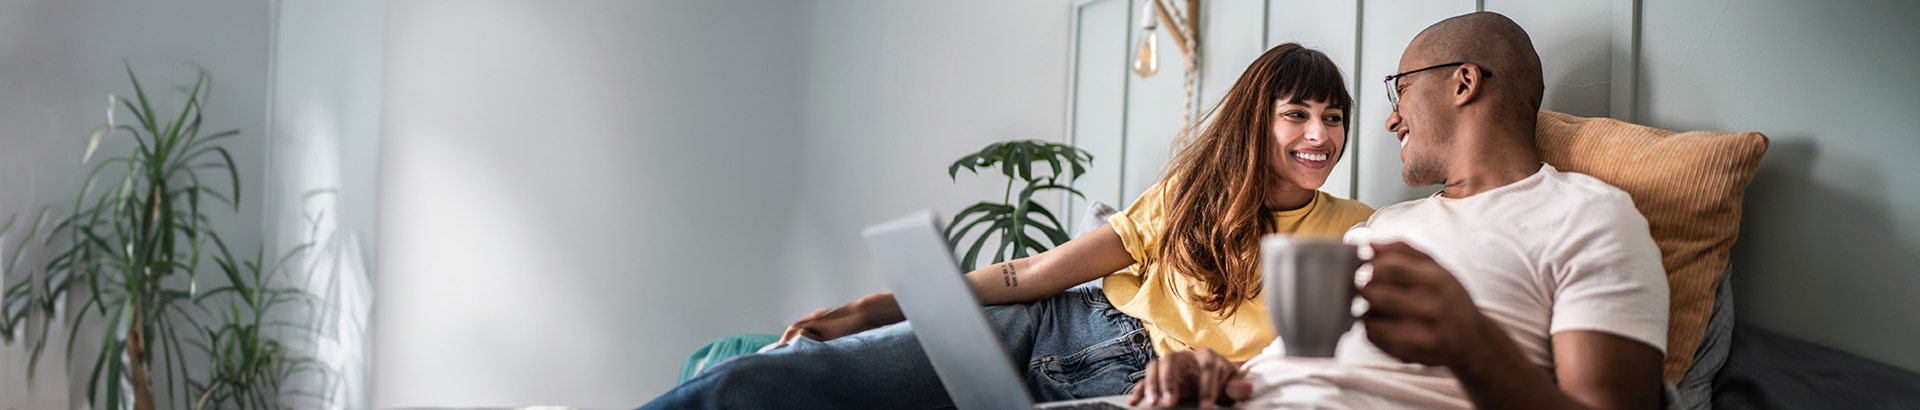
point(1516, 286)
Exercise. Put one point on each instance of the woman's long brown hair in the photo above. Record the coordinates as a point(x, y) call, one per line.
point(1216, 185)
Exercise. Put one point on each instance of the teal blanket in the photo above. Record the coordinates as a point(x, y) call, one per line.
point(722, 349)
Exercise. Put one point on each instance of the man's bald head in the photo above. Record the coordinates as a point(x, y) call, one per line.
point(1497, 45)
point(1458, 125)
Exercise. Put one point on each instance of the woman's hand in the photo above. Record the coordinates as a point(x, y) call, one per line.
point(827, 324)
point(1200, 374)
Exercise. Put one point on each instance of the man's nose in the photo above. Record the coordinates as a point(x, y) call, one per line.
point(1393, 121)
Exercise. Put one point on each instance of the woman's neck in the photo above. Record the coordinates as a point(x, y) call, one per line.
point(1289, 198)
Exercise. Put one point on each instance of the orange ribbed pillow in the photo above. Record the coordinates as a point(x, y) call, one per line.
point(1687, 184)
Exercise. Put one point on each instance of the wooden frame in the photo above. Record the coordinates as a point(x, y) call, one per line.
point(1192, 23)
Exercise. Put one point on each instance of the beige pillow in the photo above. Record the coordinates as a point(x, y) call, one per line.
point(1689, 187)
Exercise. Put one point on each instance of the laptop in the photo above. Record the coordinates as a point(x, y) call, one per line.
point(967, 353)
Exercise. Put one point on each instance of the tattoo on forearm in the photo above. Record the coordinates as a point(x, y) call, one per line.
point(1007, 275)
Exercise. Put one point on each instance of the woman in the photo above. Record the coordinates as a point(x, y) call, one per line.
point(1191, 241)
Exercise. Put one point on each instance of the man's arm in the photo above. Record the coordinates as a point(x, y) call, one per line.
point(1420, 313)
point(1605, 371)
point(1596, 371)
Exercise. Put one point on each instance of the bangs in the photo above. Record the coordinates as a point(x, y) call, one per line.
point(1308, 75)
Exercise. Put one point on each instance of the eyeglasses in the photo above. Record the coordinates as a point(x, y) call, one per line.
point(1393, 82)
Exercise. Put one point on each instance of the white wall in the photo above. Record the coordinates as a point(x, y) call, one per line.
point(896, 91)
point(58, 62)
point(322, 182)
point(577, 194)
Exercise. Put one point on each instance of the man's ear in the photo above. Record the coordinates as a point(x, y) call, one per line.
point(1466, 79)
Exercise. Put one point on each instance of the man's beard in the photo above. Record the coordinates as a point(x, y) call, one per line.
point(1422, 171)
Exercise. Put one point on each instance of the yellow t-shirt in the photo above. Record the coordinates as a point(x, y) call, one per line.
point(1172, 320)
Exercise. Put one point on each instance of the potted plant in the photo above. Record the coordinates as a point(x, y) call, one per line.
point(1016, 219)
point(133, 246)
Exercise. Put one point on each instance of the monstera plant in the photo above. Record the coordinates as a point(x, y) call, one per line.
point(132, 250)
point(1023, 226)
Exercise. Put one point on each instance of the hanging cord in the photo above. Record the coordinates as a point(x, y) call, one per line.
point(1188, 97)
point(1189, 90)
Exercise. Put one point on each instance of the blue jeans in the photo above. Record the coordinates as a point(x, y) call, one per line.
point(1075, 345)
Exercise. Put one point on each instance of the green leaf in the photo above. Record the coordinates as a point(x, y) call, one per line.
point(1077, 162)
point(197, 150)
point(140, 117)
point(234, 173)
point(40, 346)
point(1053, 161)
point(1007, 161)
point(73, 331)
point(116, 335)
point(191, 132)
point(991, 153)
point(973, 253)
point(99, 363)
point(1027, 193)
point(20, 247)
point(955, 230)
point(1000, 252)
point(173, 368)
point(1016, 232)
point(1056, 232)
point(172, 136)
point(1023, 158)
point(954, 240)
point(145, 108)
point(953, 171)
point(201, 141)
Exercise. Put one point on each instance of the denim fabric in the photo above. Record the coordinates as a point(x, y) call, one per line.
point(1075, 345)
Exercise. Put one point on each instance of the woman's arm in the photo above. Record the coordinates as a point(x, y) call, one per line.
point(1090, 256)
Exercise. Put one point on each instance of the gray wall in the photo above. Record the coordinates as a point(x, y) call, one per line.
point(1829, 247)
point(58, 62)
point(575, 195)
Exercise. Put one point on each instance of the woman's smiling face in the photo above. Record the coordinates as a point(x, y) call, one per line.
point(1309, 136)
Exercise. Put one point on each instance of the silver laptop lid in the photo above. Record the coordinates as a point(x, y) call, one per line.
point(927, 282)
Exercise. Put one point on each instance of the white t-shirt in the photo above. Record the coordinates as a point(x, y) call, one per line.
point(1553, 252)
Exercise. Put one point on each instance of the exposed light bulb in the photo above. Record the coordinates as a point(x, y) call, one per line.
point(1146, 58)
point(1146, 54)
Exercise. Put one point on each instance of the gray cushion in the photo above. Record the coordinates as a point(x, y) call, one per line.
point(1095, 215)
point(1696, 387)
point(1767, 370)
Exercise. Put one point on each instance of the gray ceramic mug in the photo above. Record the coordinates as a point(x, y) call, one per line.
point(1309, 289)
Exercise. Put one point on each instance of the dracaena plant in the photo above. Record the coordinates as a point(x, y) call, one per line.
point(131, 250)
point(249, 358)
point(1023, 226)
